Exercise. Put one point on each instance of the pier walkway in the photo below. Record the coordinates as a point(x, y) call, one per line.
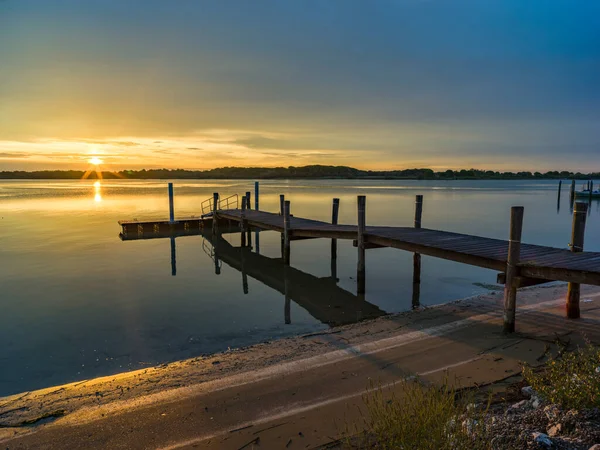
point(536, 261)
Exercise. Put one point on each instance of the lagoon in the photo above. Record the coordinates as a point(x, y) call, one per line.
point(77, 302)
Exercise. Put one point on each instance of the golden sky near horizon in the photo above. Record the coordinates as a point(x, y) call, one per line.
point(395, 85)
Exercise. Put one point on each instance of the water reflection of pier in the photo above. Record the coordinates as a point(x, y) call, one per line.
point(321, 297)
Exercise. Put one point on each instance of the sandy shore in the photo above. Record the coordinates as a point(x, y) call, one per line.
point(92, 400)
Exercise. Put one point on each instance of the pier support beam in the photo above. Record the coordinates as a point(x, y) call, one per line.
point(286, 233)
point(214, 217)
point(577, 234)
point(171, 204)
point(360, 269)
point(416, 294)
point(512, 270)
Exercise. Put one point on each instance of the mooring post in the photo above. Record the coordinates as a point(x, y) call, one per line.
point(360, 269)
point(171, 205)
point(173, 257)
point(417, 256)
point(248, 200)
point(256, 195)
point(512, 270)
point(243, 221)
point(281, 202)
point(577, 234)
point(214, 216)
point(286, 233)
point(572, 192)
point(334, 221)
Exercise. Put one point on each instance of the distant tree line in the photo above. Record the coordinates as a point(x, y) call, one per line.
point(315, 171)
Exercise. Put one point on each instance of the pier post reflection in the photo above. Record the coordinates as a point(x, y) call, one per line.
point(173, 257)
point(287, 307)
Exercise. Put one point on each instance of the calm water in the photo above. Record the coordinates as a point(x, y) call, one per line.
point(77, 302)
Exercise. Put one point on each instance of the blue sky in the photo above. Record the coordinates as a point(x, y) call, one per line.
point(500, 84)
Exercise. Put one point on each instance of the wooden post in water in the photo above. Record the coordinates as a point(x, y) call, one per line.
point(248, 200)
point(334, 220)
point(243, 221)
point(171, 205)
point(256, 196)
point(572, 192)
point(281, 202)
point(173, 257)
point(512, 270)
point(360, 269)
point(577, 234)
point(286, 233)
point(214, 216)
point(417, 256)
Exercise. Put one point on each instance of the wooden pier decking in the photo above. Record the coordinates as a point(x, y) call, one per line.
point(519, 264)
point(547, 263)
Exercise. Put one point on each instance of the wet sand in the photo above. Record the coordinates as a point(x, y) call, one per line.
point(313, 382)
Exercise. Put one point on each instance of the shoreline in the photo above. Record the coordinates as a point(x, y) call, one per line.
point(88, 400)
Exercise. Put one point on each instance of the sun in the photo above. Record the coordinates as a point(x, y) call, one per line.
point(95, 161)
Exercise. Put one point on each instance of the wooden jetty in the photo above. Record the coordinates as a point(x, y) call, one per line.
point(519, 264)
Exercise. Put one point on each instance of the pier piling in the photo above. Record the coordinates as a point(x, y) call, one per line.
point(243, 222)
point(256, 195)
point(248, 200)
point(334, 220)
point(286, 233)
point(417, 256)
point(281, 202)
point(512, 271)
point(572, 192)
point(171, 205)
point(360, 269)
point(577, 235)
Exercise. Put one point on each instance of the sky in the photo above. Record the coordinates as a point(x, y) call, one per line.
point(380, 84)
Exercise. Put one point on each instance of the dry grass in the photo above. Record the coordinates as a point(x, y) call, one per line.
point(418, 416)
point(571, 380)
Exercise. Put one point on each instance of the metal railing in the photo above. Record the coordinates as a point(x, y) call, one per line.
point(231, 202)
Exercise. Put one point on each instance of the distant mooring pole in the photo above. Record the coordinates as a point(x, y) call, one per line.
point(512, 270)
point(171, 205)
point(572, 192)
point(334, 221)
point(214, 217)
point(417, 256)
point(286, 233)
point(256, 232)
point(360, 269)
point(577, 234)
